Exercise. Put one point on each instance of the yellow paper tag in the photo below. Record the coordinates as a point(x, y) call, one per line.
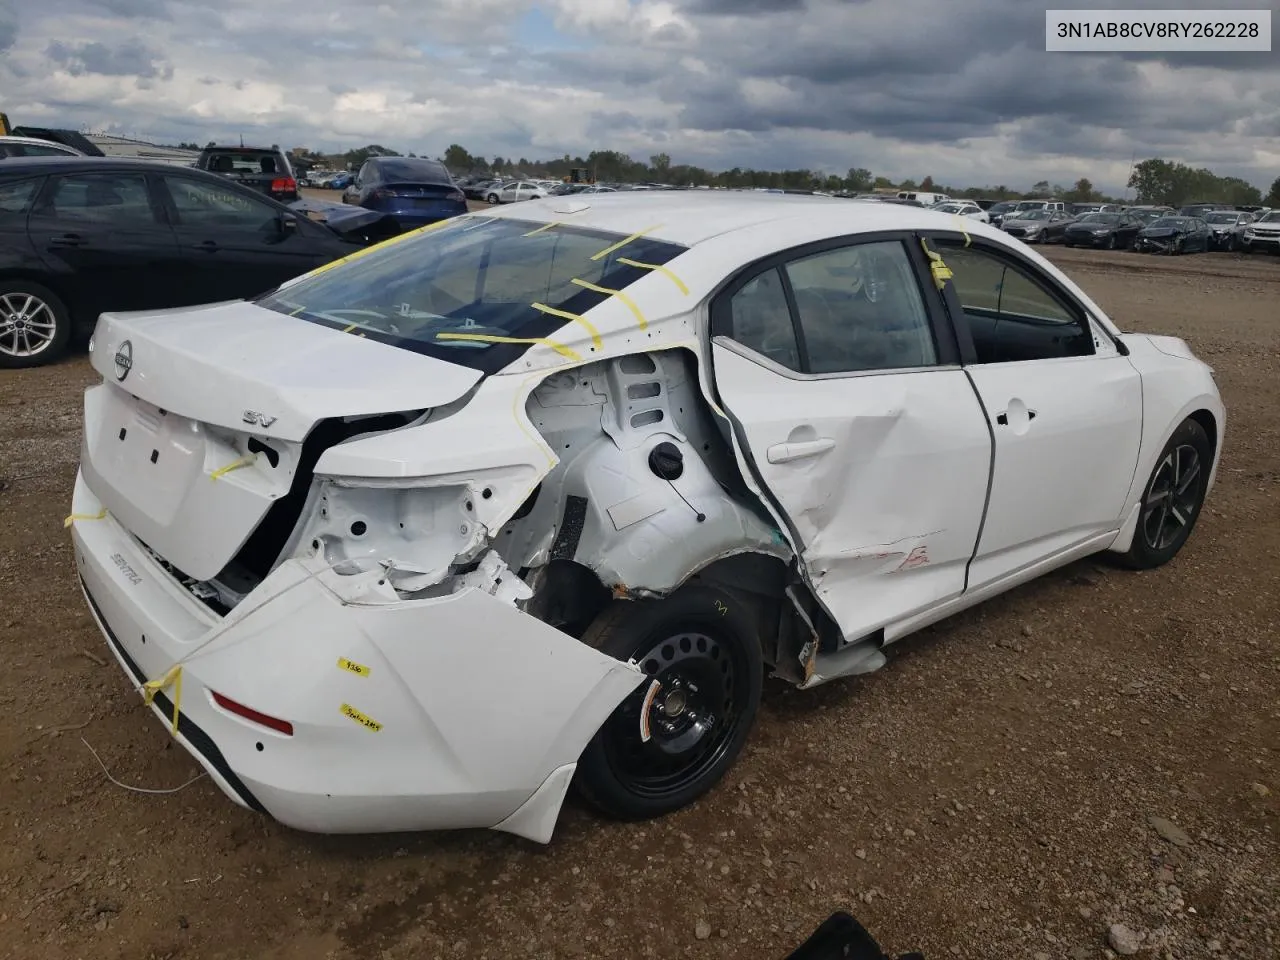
point(358, 668)
point(365, 721)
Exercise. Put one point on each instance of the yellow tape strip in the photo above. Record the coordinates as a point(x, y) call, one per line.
point(659, 269)
point(100, 515)
point(152, 687)
point(356, 668)
point(348, 329)
point(544, 228)
point(622, 297)
point(941, 272)
point(384, 243)
point(576, 317)
point(964, 230)
point(487, 338)
point(234, 465)
point(364, 720)
point(624, 241)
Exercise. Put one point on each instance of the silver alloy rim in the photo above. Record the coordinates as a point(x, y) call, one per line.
point(27, 325)
point(1172, 498)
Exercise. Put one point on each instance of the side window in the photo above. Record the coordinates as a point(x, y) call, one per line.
point(860, 308)
point(762, 320)
point(33, 150)
point(1012, 315)
point(108, 199)
point(212, 205)
point(15, 198)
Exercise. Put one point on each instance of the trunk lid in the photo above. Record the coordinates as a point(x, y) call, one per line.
point(201, 423)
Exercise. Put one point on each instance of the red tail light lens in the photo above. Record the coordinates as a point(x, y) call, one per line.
point(252, 715)
point(284, 185)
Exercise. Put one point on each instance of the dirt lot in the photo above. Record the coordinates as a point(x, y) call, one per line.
point(986, 795)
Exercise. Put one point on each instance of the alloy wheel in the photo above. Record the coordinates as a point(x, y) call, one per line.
point(1172, 497)
point(27, 325)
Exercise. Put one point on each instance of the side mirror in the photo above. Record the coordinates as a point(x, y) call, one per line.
point(288, 224)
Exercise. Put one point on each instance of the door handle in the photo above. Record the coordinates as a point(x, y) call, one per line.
point(1003, 418)
point(208, 246)
point(68, 240)
point(786, 452)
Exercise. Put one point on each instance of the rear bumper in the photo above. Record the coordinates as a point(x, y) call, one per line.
point(462, 711)
point(411, 220)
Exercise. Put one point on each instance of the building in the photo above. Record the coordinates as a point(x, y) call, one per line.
point(113, 146)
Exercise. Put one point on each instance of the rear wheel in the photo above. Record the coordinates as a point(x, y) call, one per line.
point(35, 326)
point(677, 734)
point(1173, 498)
point(492, 198)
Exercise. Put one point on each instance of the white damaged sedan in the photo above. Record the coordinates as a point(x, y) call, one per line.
point(535, 497)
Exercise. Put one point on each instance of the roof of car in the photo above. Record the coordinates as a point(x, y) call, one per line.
point(69, 163)
point(690, 217)
point(12, 138)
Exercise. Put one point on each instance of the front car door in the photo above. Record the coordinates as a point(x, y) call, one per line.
point(856, 421)
point(1065, 408)
point(105, 234)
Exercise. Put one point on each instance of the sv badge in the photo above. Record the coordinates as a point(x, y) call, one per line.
point(258, 419)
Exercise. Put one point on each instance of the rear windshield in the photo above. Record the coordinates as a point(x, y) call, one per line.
point(411, 170)
point(1171, 222)
point(243, 161)
point(1100, 218)
point(464, 291)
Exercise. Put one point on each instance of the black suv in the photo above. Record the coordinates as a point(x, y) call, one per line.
point(265, 169)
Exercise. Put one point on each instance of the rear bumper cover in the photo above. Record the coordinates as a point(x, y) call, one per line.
point(461, 711)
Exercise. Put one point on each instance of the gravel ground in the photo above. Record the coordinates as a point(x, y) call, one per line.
point(1096, 748)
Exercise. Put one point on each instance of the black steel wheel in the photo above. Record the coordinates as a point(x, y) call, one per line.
point(1173, 497)
point(679, 731)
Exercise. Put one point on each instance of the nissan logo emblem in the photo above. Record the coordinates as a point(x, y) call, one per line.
point(124, 360)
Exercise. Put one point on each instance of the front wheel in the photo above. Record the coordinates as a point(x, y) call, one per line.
point(677, 734)
point(492, 198)
point(35, 326)
point(1172, 500)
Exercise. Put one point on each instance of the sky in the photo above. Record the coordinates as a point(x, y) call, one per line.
point(960, 91)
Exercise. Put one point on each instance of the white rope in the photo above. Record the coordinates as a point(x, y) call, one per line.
point(126, 786)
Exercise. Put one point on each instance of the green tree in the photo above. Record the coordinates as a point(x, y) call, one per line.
point(1272, 198)
point(907, 185)
point(881, 183)
point(1040, 188)
point(660, 163)
point(859, 179)
point(456, 157)
point(1082, 192)
point(1153, 181)
point(927, 184)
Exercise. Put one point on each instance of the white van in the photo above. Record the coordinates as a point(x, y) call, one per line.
point(928, 199)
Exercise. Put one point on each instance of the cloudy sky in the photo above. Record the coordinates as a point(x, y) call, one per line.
point(962, 91)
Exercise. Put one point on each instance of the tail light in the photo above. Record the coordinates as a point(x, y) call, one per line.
point(284, 185)
point(382, 194)
point(252, 715)
point(457, 195)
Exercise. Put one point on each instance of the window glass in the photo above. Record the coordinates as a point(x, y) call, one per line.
point(200, 204)
point(15, 198)
point(762, 320)
point(860, 308)
point(1010, 315)
point(107, 198)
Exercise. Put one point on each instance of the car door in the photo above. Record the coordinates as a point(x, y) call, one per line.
point(104, 235)
point(235, 244)
point(859, 427)
point(1064, 405)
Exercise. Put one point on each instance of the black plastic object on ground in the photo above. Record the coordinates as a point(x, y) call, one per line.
point(841, 937)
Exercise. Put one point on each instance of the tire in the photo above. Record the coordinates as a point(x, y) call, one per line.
point(1111, 242)
point(35, 326)
point(492, 198)
point(1167, 517)
point(703, 649)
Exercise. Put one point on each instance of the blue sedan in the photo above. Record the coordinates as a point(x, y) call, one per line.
point(412, 191)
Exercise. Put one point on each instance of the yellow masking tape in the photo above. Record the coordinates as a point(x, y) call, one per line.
point(941, 272)
point(234, 465)
point(621, 297)
point(964, 230)
point(624, 241)
point(659, 269)
point(365, 721)
point(488, 338)
point(100, 515)
point(350, 327)
point(576, 318)
point(152, 687)
point(356, 668)
point(544, 228)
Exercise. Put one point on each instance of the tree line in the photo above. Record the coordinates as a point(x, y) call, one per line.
point(1156, 181)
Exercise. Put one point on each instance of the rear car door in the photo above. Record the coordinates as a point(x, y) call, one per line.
point(851, 411)
point(234, 244)
point(1065, 408)
point(104, 235)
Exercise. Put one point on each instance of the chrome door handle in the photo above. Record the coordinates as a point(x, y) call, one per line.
point(786, 452)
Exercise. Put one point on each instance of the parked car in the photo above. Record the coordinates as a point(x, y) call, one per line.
point(479, 189)
point(1200, 209)
point(1038, 226)
point(923, 197)
point(1148, 215)
point(963, 208)
point(1173, 235)
point(79, 236)
point(1263, 235)
point(1025, 206)
point(264, 169)
point(32, 147)
point(1114, 231)
point(1079, 209)
point(515, 191)
point(412, 191)
point(340, 180)
point(998, 211)
point(549, 565)
point(1226, 228)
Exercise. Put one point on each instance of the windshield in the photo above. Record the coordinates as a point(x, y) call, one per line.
point(1001, 207)
point(1178, 222)
point(411, 170)
point(1103, 218)
point(950, 207)
point(1273, 217)
point(475, 291)
point(1031, 205)
point(1222, 217)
